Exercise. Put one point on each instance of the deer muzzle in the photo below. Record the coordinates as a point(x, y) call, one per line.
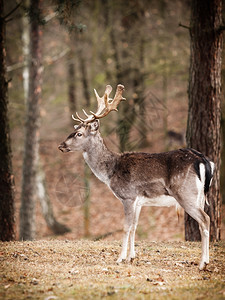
point(63, 147)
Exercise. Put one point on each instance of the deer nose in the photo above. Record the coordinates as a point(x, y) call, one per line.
point(62, 146)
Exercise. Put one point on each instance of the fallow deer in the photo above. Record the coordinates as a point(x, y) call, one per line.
point(176, 178)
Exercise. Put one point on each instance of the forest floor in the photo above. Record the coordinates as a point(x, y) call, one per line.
point(87, 270)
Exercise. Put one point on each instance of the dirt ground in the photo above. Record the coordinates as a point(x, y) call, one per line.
point(87, 270)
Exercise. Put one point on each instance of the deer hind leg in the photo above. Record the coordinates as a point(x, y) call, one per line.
point(194, 206)
point(129, 212)
point(132, 232)
point(204, 223)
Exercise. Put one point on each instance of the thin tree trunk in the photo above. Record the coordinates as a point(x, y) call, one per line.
point(26, 49)
point(71, 85)
point(32, 126)
point(165, 100)
point(204, 116)
point(84, 79)
point(46, 205)
point(40, 188)
point(140, 91)
point(87, 201)
point(125, 119)
point(6, 176)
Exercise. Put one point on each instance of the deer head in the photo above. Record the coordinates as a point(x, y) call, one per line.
point(88, 128)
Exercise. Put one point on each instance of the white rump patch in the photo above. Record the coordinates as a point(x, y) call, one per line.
point(163, 200)
point(200, 185)
point(212, 167)
point(202, 173)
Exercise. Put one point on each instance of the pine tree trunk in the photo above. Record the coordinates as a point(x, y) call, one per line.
point(41, 190)
point(139, 87)
point(46, 205)
point(84, 79)
point(71, 85)
point(31, 146)
point(26, 49)
point(87, 202)
point(222, 171)
point(204, 115)
point(6, 177)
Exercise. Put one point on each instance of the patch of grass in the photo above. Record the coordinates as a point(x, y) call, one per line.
point(88, 270)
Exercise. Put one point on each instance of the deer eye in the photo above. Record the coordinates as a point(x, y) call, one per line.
point(79, 134)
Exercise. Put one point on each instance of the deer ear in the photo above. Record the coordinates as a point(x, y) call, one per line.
point(94, 126)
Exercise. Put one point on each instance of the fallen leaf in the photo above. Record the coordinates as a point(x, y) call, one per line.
point(73, 271)
point(7, 286)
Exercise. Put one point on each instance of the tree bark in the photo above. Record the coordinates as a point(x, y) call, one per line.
point(26, 49)
point(87, 202)
point(84, 79)
point(41, 189)
point(6, 176)
point(46, 205)
point(222, 171)
point(204, 115)
point(31, 146)
point(71, 86)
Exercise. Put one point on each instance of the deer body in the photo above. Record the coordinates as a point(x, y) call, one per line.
point(175, 178)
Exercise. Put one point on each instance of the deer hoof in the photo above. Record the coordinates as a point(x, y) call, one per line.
point(130, 259)
point(120, 260)
point(202, 266)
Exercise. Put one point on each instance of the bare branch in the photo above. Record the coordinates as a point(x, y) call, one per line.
point(47, 61)
point(16, 66)
point(50, 17)
point(11, 12)
point(184, 26)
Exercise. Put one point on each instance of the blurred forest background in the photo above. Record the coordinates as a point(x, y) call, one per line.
point(143, 45)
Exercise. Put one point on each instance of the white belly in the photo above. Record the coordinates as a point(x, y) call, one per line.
point(158, 201)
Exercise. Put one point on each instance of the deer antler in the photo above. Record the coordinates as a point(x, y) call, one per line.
point(105, 104)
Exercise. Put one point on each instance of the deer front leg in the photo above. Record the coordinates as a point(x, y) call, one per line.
point(132, 232)
point(128, 220)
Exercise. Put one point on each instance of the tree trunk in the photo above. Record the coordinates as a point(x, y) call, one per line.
point(46, 205)
point(41, 189)
point(31, 146)
point(139, 87)
point(204, 115)
point(86, 92)
point(222, 171)
point(71, 85)
point(87, 202)
point(6, 177)
point(84, 79)
point(26, 49)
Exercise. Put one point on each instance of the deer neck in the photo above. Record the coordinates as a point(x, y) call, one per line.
point(100, 159)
